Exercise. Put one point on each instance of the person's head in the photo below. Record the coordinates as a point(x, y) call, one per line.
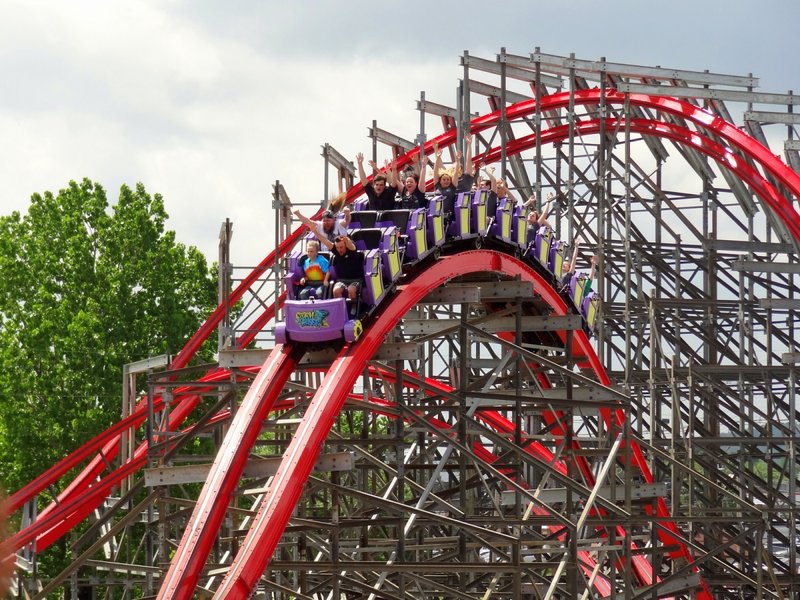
point(411, 182)
point(339, 244)
point(533, 216)
point(502, 188)
point(485, 184)
point(328, 220)
point(445, 179)
point(312, 248)
point(379, 183)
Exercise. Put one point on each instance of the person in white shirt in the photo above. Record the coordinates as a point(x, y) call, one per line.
point(328, 227)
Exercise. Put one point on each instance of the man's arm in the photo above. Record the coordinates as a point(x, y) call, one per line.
point(469, 168)
point(348, 242)
point(572, 265)
point(551, 200)
point(323, 239)
point(362, 176)
point(315, 229)
point(305, 220)
point(392, 179)
point(490, 176)
point(437, 165)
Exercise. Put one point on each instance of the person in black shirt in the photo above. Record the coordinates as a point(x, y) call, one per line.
point(457, 179)
point(443, 182)
point(381, 195)
point(410, 195)
point(447, 191)
point(348, 262)
point(466, 176)
point(536, 220)
point(487, 184)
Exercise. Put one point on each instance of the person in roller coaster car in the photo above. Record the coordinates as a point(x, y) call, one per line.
point(536, 220)
point(348, 263)
point(592, 272)
point(502, 191)
point(329, 227)
point(451, 182)
point(314, 267)
point(409, 194)
point(466, 177)
point(443, 181)
point(487, 183)
point(380, 190)
point(568, 268)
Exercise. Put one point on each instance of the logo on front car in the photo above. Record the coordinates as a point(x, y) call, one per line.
point(312, 319)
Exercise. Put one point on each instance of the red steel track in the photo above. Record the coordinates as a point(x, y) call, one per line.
point(714, 137)
point(285, 489)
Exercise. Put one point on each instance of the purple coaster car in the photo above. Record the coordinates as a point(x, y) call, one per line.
point(319, 321)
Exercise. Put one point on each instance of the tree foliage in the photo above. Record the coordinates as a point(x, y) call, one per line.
point(84, 289)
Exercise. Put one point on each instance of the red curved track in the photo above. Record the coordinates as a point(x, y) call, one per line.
point(85, 493)
point(287, 485)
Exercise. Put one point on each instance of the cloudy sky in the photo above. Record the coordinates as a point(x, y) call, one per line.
point(209, 102)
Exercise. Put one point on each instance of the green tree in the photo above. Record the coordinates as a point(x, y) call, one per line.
point(84, 289)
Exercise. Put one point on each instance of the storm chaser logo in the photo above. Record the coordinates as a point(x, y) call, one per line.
point(312, 319)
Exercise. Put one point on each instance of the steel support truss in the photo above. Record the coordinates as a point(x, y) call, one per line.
point(418, 494)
